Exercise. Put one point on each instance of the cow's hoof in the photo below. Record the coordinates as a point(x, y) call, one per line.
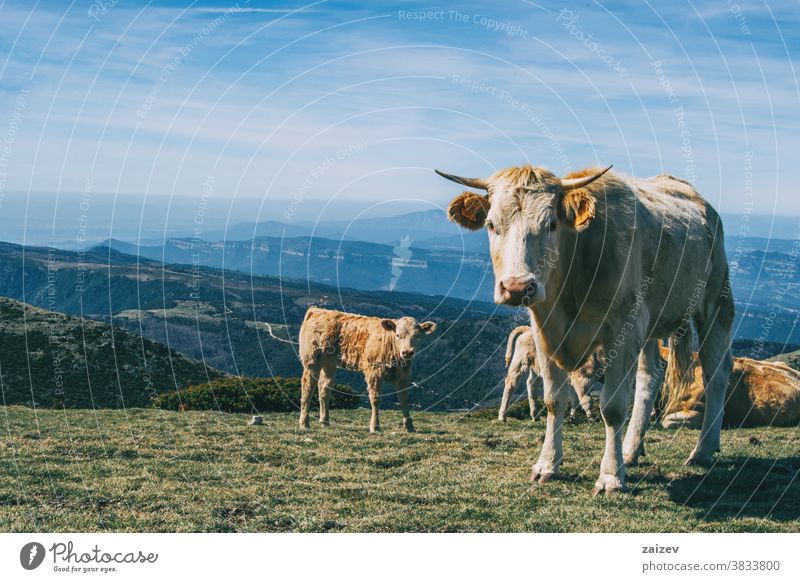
point(698, 460)
point(609, 484)
point(305, 428)
point(632, 459)
point(501, 419)
point(541, 475)
point(324, 422)
point(375, 429)
point(408, 424)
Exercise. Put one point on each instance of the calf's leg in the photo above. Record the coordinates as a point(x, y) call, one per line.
point(512, 377)
point(326, 378)
point(533, 382)
point(402, 400)
point(307, 386)
point(374, 392)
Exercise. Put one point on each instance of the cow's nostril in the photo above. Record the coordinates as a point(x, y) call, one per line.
point(517, 285)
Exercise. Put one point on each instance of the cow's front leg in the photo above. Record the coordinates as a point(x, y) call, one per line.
point(649, 378)
point(614, 399)
point(556, 399)
point(374, 392)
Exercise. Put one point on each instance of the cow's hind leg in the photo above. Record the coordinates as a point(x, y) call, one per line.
point(512, 378)
point(649, 378)
point(580, 395)
point(326, 377)
point(308, 385)
point(714, 330)
point(556, 399)
point(614, 399)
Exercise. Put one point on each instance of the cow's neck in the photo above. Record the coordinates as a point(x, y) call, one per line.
point(562, 335)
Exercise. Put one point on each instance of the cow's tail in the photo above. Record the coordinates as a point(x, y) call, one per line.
point(679, 374)
point(512, 337)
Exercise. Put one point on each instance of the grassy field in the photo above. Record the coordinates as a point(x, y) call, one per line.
point(145, 470)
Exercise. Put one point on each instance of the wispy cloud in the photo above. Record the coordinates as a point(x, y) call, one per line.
point(156, 98)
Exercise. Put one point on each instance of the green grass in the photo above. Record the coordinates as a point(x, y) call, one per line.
point(147, 470)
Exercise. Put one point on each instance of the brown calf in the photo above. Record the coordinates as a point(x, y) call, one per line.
point(381, 349)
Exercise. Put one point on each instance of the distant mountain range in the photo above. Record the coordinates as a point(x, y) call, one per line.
point(428, 229)
point(361, 265)
point(427, 254)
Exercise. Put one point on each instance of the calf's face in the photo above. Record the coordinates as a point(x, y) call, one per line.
point(523, 211)
point(407, 333)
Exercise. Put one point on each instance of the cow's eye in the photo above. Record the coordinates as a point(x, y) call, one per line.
point(553, 225)
point(489, 225)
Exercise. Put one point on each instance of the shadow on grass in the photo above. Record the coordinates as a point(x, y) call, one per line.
point(743, 487)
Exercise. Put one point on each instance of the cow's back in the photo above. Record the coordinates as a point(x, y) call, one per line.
point(654, 243)
point(355, 342)
point(763, 394)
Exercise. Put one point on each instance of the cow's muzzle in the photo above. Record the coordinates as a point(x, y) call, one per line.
point(516, 290)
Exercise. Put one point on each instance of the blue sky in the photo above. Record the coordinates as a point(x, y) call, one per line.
point(334, 101)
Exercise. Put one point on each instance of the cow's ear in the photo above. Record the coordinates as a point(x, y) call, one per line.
point(469, 210)
point(388, 324)
point(578, 207)
point(428, 327)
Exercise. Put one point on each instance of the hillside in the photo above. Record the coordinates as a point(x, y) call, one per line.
point(50, 359)
point(212, 316)
point(792, 359)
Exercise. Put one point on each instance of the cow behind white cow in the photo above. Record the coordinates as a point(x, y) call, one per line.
point(610, 262)
point(521, 359)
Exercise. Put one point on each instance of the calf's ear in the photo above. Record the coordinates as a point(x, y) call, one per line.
point(578, 208)
point(388, 324)
point(469, 210)
point(428, 327)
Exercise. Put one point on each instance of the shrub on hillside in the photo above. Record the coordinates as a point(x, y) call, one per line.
point(250, 395)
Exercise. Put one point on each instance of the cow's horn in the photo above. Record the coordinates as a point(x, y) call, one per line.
point(479, 183)
point(573, 183)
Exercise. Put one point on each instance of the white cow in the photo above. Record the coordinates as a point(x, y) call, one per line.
point(610, 262)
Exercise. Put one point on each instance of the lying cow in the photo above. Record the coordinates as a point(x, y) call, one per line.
point(521, 358)
point(612, 262)
point(759, 394)
point(381, 349)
